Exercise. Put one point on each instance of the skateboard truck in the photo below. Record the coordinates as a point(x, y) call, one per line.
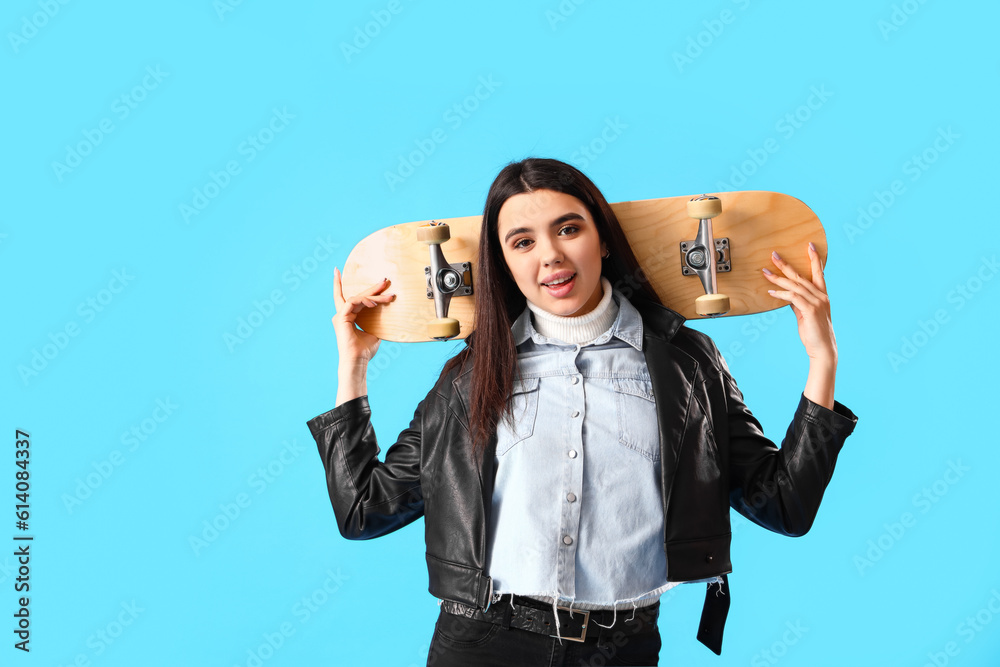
point(696, 258)
point(444, 280)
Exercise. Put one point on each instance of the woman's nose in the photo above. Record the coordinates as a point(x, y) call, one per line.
point(551, 254)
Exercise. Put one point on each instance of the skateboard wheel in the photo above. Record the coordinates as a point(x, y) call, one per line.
point(701, 209)
point(433, 233)
point(443, 328)
point(712, 304)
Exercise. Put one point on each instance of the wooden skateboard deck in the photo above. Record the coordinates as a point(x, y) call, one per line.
point(754, 222)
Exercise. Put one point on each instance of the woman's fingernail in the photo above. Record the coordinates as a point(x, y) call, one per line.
point(767, 272)
point(771, 292)
point(812, 247)
point(774, 253)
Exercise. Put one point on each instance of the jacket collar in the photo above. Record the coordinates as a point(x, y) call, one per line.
point(626, 327)
point(660, 320)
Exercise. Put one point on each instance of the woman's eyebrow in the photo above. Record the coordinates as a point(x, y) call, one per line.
point(558, 221)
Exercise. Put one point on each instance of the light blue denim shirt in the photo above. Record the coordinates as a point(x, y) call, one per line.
point(577, 508)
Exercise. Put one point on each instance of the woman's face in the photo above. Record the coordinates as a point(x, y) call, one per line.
point(546, 237)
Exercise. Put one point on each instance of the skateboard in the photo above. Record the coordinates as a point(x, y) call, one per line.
point(432, 263)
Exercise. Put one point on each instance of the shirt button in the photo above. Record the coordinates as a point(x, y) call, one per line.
point(572, 453)
point(567, 539)
point(576, 413)
point(571, 497)
point(574, 380)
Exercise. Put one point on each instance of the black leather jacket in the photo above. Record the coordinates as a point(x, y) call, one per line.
point(714, 456)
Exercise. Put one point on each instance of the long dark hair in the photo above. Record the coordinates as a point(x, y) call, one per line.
point(490, 346)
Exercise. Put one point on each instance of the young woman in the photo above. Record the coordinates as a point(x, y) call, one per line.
point(580, 456)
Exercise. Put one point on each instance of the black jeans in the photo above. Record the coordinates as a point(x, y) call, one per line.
point(462, 642)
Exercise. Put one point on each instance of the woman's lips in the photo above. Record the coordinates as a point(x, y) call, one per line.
point(562, 288)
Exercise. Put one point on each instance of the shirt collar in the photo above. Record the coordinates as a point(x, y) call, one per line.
point(626, 327)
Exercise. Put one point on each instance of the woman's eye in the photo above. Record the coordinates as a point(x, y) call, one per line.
point(569, 229)
point(518, 243)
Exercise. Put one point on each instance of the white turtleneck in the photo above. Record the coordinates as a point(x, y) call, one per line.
point(579, 329)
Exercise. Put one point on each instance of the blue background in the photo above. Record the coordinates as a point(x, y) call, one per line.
point(903, 551)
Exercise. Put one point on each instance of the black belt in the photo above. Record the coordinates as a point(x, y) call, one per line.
point(536, 616)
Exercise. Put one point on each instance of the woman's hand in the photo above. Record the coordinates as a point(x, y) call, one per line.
point(811, 306)
point(355, 346)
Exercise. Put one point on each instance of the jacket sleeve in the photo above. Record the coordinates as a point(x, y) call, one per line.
point(781, 489)
point(370, 498)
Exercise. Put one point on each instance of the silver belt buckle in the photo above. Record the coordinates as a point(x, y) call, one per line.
point(586, 622)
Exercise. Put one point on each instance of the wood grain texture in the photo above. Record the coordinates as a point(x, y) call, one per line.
point(756, 223)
